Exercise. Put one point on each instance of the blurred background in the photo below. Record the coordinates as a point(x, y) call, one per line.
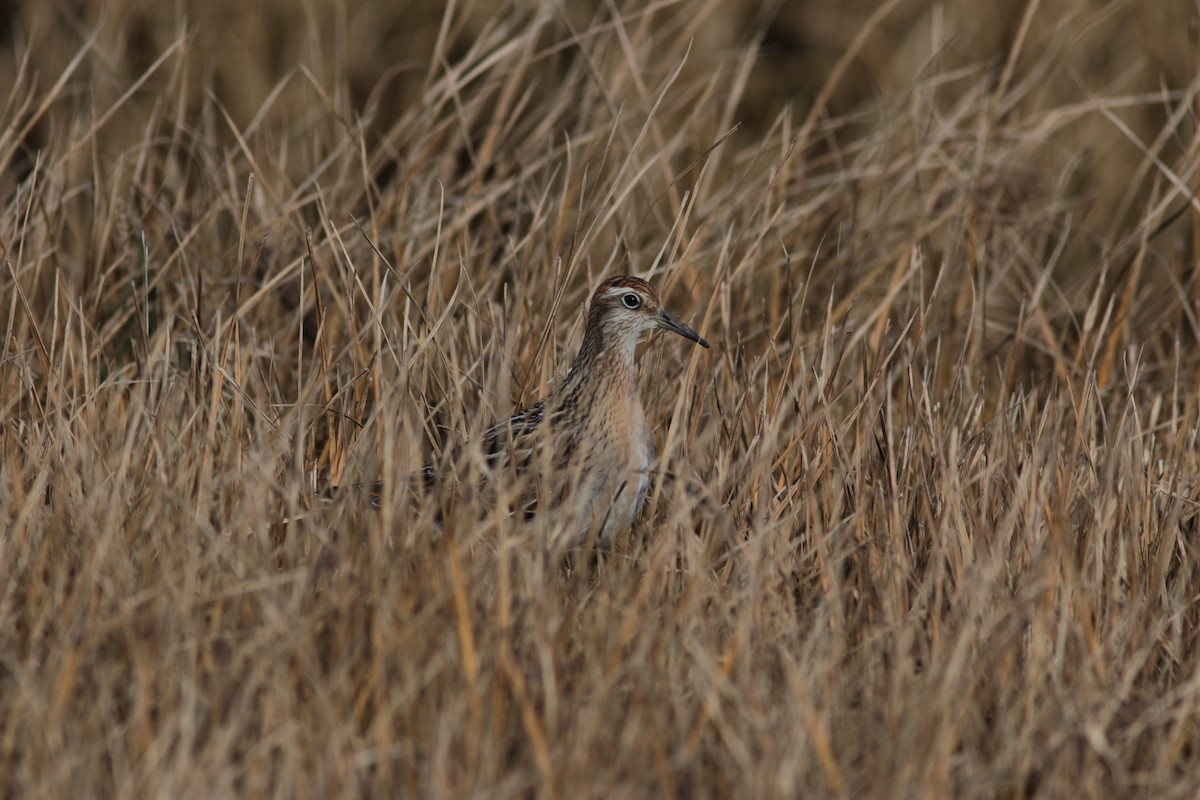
point(374, 58)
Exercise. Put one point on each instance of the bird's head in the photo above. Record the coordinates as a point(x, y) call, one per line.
point(625, 307)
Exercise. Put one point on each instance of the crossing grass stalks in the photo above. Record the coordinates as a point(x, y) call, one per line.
point(924, 523)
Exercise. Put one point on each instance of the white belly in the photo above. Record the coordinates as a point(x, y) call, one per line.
point(629, 493)
point(607, 488)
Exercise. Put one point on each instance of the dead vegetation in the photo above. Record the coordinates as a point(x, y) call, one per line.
point(929, 529)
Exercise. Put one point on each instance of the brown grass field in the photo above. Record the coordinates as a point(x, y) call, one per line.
point(924, 522)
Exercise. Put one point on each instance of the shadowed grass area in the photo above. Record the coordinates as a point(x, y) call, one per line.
point(924, 518)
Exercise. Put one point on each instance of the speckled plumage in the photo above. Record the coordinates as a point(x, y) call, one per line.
point(590, 433)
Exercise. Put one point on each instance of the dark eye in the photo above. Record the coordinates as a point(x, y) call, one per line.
point(631, 300)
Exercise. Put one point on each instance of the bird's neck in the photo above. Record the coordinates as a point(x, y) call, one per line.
point(604, 364)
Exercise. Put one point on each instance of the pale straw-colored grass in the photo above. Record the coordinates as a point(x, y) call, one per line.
point(925, 523)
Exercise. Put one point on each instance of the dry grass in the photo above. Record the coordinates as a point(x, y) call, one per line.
point(930, 531)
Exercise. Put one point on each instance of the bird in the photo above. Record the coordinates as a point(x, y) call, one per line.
point(583, 453)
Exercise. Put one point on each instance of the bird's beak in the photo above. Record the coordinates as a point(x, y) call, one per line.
point(669, 322)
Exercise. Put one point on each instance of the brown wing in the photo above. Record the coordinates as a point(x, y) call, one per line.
point(519, 442)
